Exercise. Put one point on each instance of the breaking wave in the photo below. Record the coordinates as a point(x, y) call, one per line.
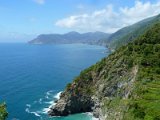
point(42, 106)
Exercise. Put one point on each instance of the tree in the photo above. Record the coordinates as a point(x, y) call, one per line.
point(3, 111)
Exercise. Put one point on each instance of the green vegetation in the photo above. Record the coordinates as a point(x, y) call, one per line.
point(145, 52)
point(146, 101)
point(127, 82)
point(3, 112)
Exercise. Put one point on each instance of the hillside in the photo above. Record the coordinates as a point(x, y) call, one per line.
point(70, 38)
point(127, 34)
point(123, 86)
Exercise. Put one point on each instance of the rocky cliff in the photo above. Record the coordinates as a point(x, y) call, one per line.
point(123, 86)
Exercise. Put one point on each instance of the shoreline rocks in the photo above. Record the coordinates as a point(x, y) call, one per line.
point(68, 104)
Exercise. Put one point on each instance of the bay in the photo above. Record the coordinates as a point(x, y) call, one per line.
point(32, 76)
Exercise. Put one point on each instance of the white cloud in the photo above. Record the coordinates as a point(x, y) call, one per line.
point(39, 1)
point(109, 20)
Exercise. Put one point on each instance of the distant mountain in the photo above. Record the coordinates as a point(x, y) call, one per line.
point(70, 38)
point(112, 41)
point(127, 34)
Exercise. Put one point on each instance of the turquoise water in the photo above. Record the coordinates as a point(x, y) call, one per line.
point(32, 75)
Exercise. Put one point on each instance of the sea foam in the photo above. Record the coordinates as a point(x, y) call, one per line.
point(57, 96)
point(35, 113)
point(48, 101)
point(91, 115)
point(51, 103)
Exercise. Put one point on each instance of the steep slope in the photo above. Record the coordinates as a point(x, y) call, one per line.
point(127, 34)
point(69, 38)
point(123, 86)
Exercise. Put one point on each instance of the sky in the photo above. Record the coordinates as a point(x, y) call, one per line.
point(22, 20)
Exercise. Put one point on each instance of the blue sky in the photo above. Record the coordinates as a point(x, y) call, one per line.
point(21, 20)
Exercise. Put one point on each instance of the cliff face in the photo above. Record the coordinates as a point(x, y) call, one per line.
point(96, 85)
point(123, 86)
point(71, 104)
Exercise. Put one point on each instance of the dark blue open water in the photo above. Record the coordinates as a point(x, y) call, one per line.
point(32, 75)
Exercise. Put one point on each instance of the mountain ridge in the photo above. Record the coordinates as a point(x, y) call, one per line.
point(129, 33)
point(69, 38)
point(111, 41)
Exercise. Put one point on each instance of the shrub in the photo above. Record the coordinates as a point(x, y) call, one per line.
point(3, 111)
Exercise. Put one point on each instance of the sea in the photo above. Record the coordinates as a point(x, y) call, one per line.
point(33, 76)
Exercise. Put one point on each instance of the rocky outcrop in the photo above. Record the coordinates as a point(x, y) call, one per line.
point(71, 104)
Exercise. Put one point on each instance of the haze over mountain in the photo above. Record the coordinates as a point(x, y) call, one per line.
point(70, 38)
